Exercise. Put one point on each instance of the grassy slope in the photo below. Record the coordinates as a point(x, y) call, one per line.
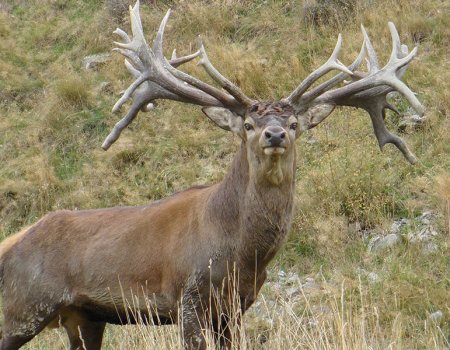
point(53, 118)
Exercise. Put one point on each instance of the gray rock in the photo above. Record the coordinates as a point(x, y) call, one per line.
point(281, 274)
point(292, 278)
point(292, 292)
point(430, 247)
point(397, 225)
point(426, 217)
point(310, 138)
point(411, 122)
point(379, 243)
point(423, 235)
point(106, 87)
point(319, 310)
point(94, 61)
point(437, 315)
point(373, 278)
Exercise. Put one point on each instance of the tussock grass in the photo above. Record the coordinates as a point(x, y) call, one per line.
point(54, 117)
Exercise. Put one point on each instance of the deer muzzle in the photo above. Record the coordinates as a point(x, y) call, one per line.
point(274, 140)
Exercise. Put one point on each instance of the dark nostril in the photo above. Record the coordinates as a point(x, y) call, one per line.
point(268, 135)
point(283, 135)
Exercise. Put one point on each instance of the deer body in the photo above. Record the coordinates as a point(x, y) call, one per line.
point(193, 257)
point(85, 265)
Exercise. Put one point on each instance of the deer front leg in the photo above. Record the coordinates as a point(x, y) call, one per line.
point(193, 317)
point(227, 331)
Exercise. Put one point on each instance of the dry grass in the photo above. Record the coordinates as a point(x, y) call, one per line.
point(344, 318)
point(53, 118)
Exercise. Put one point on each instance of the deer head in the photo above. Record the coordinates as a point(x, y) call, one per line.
point(269, 129)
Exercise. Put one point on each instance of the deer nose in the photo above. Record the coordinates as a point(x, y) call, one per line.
point(274, 136)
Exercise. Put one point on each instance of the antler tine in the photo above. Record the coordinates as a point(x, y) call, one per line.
point(225, 99)
point(178, 61)
point(220, 79)
point(138, 43)
point(396, 45)
point(122, 124)
point(123, 35)
point(332, 63)
point(134, 72)
point(318, 90)
point(157, 45)
point(372, 60)
point(384, 136)
point(389, 77)
point(128, 93)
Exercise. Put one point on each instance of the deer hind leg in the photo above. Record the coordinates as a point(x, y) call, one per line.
point(20, 326)
point(83, 333)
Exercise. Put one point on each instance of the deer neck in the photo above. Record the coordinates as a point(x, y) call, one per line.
point(254, 208)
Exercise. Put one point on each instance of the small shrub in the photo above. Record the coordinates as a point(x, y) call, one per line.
point(325, 12)
point(117, 9)
point(73, 90)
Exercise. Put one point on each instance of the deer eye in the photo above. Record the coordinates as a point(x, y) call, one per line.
point(248, 126)
point(293, 126)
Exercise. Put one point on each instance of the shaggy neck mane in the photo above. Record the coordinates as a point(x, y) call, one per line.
point(255, 209)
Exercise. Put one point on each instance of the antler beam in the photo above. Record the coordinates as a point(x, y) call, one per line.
point(366, 90)
point(157, 78)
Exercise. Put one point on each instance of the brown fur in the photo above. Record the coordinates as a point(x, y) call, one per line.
point(79, 268)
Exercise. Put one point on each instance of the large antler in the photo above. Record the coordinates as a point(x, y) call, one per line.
point(366, 90)
point(158, 78)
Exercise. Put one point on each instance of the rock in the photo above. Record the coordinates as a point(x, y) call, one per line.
point(430, 247)
point(321, 310)
point(373, 278)
point(310, 287)
point(292, 292)
point(106, 87)
point(92, 62)
point(311, 322)
point(281, 274)
point(5, 7)
point(379, 243)
point(426, 217)
point(423, 235)
point(264, 62)
point(310, 138)
point(411, 122)
point(292, 278)
point(437, 315)
point(397, 225)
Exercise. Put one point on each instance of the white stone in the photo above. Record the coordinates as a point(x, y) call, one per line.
point(373, 277)
point(437, 315)
point(93, 61)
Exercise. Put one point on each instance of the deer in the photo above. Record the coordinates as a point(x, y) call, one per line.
point(77, 269)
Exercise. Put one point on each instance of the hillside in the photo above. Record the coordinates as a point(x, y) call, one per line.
point(367, 262)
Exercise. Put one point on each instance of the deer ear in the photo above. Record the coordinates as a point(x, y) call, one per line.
point(225, 118)
point(314, 115)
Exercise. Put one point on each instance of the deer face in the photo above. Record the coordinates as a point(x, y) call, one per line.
point(269, 131)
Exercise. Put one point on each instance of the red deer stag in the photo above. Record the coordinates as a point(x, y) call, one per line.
point(77, 268)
